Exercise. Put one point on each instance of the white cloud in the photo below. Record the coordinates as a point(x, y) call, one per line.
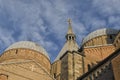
point(45, 21)
point(5, 37)
point(107, 7)
point(114, 19)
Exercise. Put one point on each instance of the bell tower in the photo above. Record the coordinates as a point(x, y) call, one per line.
point(70, 58)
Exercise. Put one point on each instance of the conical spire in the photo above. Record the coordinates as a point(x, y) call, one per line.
point(70, 31)
point(70, 34)
point(70, 44)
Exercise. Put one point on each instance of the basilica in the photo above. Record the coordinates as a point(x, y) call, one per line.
point(97, 58)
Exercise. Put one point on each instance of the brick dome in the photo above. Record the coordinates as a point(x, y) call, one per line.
point(28, 45)
point(99, 32)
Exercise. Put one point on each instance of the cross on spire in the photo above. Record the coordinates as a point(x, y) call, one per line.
point(69, 22)
point(70, 31)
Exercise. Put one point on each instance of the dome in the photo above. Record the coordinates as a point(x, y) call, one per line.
point(28, 45)
point(99, 32)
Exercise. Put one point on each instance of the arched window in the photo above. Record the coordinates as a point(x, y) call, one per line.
point(111, 37)
point(72, 38)
point(55, 75)
point(69, 37)
point(89, 67)
point(16, 51)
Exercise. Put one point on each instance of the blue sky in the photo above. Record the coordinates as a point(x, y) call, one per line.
point(45, 21)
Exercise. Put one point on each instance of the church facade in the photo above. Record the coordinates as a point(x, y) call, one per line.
point(98, 58)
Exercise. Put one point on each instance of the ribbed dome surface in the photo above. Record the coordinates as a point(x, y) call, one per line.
point(28, 45)
point(99, 32)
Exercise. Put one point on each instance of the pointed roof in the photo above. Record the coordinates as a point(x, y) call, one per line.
point(70, 31)
point(70, 45)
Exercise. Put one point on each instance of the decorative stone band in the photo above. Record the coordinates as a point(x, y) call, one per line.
point(99, 45)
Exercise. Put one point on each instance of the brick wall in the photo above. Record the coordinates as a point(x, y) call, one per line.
point(116, 67)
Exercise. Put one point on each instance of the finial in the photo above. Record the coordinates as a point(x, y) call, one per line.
point(69, 27)
point(69, 22)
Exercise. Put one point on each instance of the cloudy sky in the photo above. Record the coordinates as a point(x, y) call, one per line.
point(45, 21)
